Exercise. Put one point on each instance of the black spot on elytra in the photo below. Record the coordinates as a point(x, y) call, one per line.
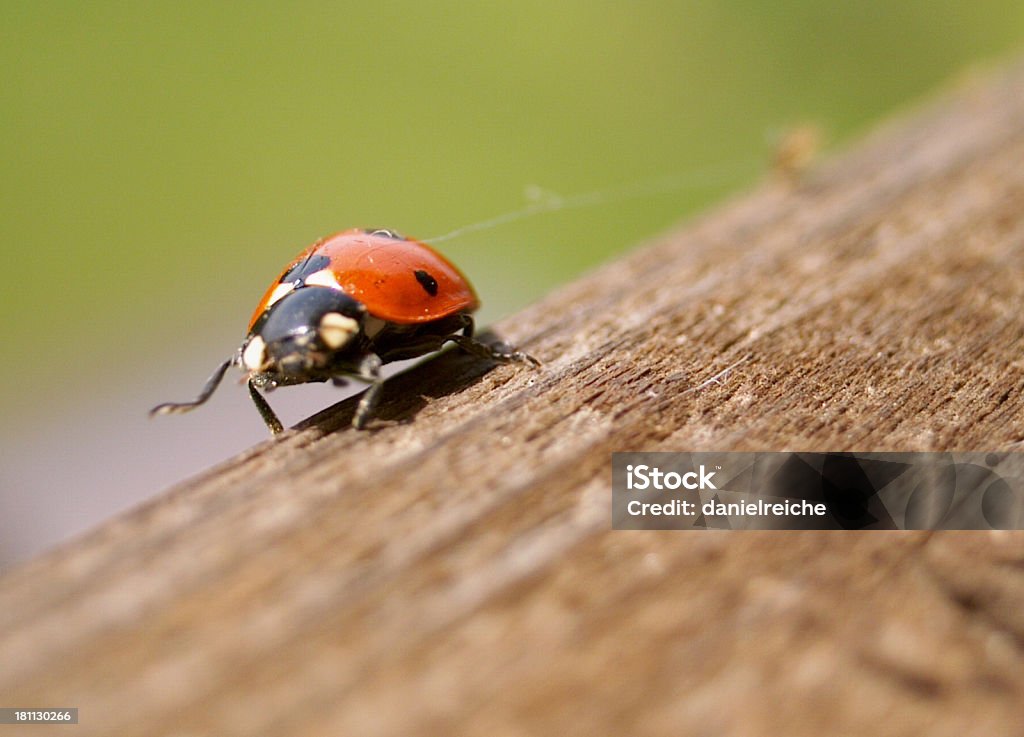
point(426, 281)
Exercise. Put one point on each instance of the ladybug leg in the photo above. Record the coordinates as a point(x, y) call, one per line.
point(369, 371)
point(209, 388)
point(273, 424)
point(498, 352)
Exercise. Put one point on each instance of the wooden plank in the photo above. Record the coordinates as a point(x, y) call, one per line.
point(454, 573)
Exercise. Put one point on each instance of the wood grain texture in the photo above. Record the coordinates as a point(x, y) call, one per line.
point(454, 572)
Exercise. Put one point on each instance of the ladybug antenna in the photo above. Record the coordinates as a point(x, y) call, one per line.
point(209, 388)
point(542, 201)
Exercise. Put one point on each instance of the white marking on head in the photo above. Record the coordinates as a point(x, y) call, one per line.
point(336, 329)
point(279, 291)
point(254, 357)
point(323, 278)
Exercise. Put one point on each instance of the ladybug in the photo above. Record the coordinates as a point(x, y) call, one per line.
point(346, 306)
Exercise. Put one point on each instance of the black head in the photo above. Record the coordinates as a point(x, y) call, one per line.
point(303, 332)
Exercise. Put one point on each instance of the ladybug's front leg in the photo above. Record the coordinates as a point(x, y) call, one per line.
point(369, 371)
point(273, 424)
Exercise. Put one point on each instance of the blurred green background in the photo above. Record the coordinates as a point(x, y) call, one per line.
point(162, 161)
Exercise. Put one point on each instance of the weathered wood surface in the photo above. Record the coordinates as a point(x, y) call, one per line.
point(455, 573)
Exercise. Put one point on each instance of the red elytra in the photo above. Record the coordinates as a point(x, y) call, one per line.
point(378, 269)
